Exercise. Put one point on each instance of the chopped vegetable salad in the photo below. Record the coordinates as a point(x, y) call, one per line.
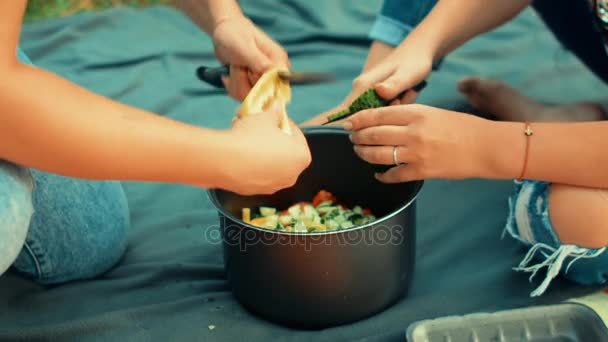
point(324, 213)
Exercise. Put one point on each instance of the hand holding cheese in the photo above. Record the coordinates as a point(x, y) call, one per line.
point(270, 89)
point(265, 159)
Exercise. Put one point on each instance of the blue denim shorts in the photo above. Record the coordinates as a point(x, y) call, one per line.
point(56, 229)
point(529, 223)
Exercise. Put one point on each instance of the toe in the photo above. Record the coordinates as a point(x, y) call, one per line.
point(468, 85)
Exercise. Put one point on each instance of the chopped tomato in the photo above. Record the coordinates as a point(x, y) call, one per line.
point(367, 211)
point(323, 196)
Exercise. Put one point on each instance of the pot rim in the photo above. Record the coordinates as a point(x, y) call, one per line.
point(211, 194)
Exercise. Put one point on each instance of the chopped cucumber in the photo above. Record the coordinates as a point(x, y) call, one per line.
point(285, 220)
point(339, 218)
point(325, 210)
point(354, 217)
point(295, 211)
point(325, 204)
point(330, 215)
point(310, 212)
point(346, 224)
point(332, 225)
point(300, 227)
point(302, 218)
point(267, 211)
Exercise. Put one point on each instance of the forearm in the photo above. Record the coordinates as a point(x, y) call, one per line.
point(566, 153)
point(453, 22)
point(208, 13)
point(53, 125)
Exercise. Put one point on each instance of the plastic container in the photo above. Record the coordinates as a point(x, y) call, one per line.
point(563, 322)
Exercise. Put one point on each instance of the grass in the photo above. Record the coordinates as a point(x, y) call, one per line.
point(42, 9)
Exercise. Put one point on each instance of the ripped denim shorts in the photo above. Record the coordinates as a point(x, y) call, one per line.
point(530, 224)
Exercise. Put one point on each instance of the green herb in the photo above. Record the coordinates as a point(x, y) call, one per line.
point(367, 100)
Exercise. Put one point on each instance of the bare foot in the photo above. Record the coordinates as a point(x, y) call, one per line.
point(501, 101)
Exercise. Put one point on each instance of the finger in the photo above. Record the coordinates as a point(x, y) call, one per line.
point(297, 133)
point(400, 115)
point(396, 83)
point(381, 135)
point(253, 77)
point(239, 83)
point(382, 155)
point(254, 59)
point(239, 113)
point(399, 174)
point(274, 113)
point(272, 50)
point(409, 97)
point(369, 78)
point(468, 84)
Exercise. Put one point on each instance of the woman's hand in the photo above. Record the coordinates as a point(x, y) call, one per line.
point(391, 71)
point(400, 71)
point(430, 142)
point(248, 51)
point(266, 159)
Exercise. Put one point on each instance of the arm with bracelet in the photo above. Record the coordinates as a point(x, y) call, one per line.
point(560, 204)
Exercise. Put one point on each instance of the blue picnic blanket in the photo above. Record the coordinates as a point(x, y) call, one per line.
point(170, 285)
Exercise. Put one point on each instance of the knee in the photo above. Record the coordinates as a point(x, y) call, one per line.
point(77, 232)
point(103, 239)
point(15, 212)
point(579, 215)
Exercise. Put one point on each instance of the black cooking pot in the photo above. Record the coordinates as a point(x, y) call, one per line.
point(317, 280)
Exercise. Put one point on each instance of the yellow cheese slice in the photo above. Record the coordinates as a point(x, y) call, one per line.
point(269, 88)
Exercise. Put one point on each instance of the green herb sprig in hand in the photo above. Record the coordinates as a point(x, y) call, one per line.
point(367, 100)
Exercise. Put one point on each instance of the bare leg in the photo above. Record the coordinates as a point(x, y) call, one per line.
point(579, 215)
point(502, 102)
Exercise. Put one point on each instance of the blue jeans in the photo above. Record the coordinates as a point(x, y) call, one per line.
point(55, 229)
point(398, 18)
point(529, 223)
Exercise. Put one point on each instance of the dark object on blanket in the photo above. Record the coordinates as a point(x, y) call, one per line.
point(317, 280)
point(555, 323)
point(213, 76)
